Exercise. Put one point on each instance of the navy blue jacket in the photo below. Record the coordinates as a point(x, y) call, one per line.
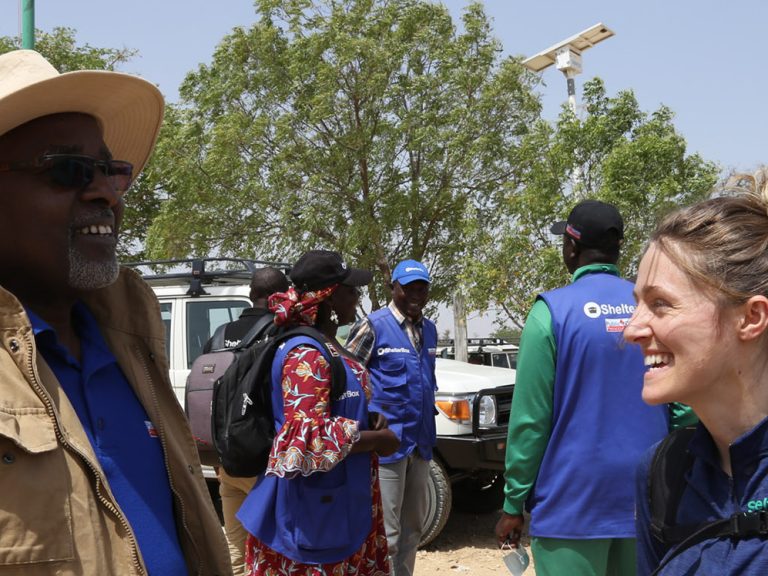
point(710, 495)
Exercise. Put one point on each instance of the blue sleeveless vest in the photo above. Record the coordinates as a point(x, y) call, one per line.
point(321, 518)
point(404, 384)
point(600, 424)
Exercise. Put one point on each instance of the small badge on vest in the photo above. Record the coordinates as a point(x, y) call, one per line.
point(616, 324)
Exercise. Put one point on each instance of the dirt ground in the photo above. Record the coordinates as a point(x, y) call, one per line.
point(467, 547)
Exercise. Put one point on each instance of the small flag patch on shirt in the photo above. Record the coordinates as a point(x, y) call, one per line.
point(151, 429)
point(616, 324)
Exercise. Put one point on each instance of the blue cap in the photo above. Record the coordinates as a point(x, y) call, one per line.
point(409, 271)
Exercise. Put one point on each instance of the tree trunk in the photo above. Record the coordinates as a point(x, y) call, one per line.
point(459, 327)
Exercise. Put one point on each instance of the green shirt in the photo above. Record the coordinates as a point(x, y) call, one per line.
point(530, 422)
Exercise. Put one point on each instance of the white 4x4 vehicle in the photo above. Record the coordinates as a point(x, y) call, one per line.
point(473, 402)
point(486, 351)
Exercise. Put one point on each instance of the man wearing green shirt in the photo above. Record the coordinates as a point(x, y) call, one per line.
point(578, 424)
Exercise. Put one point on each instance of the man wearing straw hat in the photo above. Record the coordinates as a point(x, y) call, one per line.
point(98, 470)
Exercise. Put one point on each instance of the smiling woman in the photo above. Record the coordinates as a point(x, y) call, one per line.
point(681, 330)
point(702, 322)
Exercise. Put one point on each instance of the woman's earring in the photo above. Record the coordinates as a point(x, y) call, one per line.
point(334, 317)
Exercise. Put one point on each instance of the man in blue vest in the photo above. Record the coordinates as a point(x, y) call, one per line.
point(398, 346)
point(578, 424)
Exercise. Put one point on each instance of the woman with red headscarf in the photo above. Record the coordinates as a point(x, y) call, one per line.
point(317, 510)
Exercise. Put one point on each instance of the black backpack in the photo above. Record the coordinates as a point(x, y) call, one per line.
point(206, 370)
point(666, 483)
point(242, 422)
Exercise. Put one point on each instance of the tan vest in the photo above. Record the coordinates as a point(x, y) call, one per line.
point(57, 512)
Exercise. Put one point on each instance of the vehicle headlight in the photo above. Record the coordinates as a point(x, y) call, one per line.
point(487, 411)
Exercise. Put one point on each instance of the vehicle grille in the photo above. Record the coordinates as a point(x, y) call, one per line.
point(503, 395)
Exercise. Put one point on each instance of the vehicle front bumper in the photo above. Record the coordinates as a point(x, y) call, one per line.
point(469, 453)
point(484, 448)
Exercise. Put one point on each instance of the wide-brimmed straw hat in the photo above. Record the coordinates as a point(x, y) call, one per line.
point(129, 109)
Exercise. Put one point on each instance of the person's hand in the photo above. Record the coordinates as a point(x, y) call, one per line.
point(387, 442)
point(384, 442)
point(377, 421)
point(509, 528)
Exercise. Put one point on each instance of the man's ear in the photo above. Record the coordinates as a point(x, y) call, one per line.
point(572, 247)
point(754, 320)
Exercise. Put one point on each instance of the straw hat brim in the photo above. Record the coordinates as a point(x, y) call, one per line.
point(129, 109)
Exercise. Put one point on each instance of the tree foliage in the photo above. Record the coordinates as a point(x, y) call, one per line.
point(375, 128)
point(507, 333)
point(61, 49)
point(618, 154)
point(368, 126)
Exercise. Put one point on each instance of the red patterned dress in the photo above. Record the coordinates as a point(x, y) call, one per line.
point(312, 441)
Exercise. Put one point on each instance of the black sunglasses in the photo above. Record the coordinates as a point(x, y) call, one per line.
point(76, 171)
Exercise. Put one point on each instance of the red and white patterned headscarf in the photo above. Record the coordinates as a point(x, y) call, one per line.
point(298, 308)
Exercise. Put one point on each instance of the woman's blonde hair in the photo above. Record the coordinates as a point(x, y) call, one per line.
point(722, 243)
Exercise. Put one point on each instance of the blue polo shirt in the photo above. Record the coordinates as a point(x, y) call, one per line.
point(122, 436)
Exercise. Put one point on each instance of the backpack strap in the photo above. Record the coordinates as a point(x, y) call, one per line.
point(256, 331)
point(331, 352)
point(666, 484)
point(217, 340)
point(338, 370)
point(739, 526)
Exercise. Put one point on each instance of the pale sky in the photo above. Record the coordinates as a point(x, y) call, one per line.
point(702, 58)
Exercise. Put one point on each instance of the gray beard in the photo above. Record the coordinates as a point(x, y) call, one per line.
point(85, 274)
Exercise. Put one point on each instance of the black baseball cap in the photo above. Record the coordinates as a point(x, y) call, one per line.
point(317, 269)
point(592, 223)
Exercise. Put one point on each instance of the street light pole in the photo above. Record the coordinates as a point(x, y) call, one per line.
point(28, 24)
point(566, 56)
point(568, 61)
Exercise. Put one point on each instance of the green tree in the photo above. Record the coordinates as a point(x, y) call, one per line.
point(507, 333)
point(368, 126)
point(622, 155)
point(60, 48)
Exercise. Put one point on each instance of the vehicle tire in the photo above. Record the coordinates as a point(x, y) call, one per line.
point(439, 505)
point(481, 494)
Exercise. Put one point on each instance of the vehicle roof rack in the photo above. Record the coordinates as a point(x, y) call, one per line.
point(477, 342)
point(201, 271)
